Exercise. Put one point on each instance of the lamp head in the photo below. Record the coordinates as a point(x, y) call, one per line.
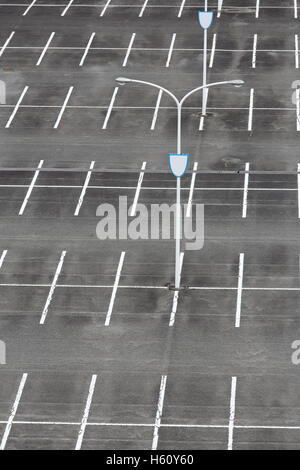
point(237, 83)
point(122, 80)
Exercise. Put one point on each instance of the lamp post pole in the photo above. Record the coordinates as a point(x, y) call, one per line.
point(123, 81)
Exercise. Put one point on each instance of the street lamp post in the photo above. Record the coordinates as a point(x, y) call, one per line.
point(123, 81)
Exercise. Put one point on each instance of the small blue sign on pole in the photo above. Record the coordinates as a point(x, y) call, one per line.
point(205, 18)
point(178, 164)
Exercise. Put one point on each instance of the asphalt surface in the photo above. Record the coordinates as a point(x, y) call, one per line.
point(222, 374)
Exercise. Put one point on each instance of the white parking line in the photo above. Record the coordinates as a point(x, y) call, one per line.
point(86, 49)
point(154, 119)
point(29, 8)
point(84, 188)
point(13, 412)
point(220, 3)
point(254, 51)
point(143, 9)
point(52, 288)
point(245, 191)
point(115, 288)
point(250, 119)
point(67, 8)
point(213, 49)
point(181, 8)
point(29, 191)
point(298, 187)
point(4, 253)
point(296, 51)
point(45, 49)
point(201, 123)
point(239, 291)
point(128, 50)
point(171, 50)
point(190, 199)
point(6, 43)
point(176, 297)
point(159, 411)
point(232, 413)
point(105, 8)
point(295, 9)
point(10, 120)
point(138, 190)
point(110, 107)
point(63, 108)
point(298, 109)
point(257, 9)
point(86, 412)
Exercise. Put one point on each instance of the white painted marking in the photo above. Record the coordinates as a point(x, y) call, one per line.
point(86, 413)
point(84, 188)
point(52, 288)
point(239, 291)
point(154, 119)
point(110, 107)
point(115, 288)
point(220, 3)
point(29, 191)
point(67, 8)
point(143, 8)
point(250, 119)
point(10, 120)
point(57, 122)
point(13, 412)
point(138, 190)
point(128, 50)
point(45, 49)
point(105, 8)
point(159, 411)
point(298, 109)
point(257, 9)
point(171, 50)
point(176, 296)
point(201, 123)
point(181, 8)
point(298, 184)
point(6, 43)
point(213, 49)
point(245, 191)
point(86, 49)
point(254, 51)
point(190, 199)
point(232, 413)
point(4, 253)
point(295, 9)
point(29, 8)
point(296, 51)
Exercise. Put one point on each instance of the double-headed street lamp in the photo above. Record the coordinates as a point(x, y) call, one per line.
point(179, 163)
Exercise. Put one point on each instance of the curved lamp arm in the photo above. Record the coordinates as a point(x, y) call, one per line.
point(151, 84)
point(228, 82)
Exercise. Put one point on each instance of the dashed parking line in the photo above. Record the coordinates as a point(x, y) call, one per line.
point(181, 8)
point(176, 295)
point(220, 3)
point(52, 288)
point(257, 9)
point(245, 191)
point(231, 413)
point(84, 188)
point(115, 288)
point(29, 8)
point(298, 109)
point(138, 190)
point(110, 107)
point(159, 411)
point(191, 192)
point(171, 50)
point(45, 49)
point(143, 8)
point(154, 119)
point(296, 51)
point(213, 50)
point(105, 8)
point(11, 118)
point(86, 50)
point(67, 8)
point(13, 412)
point(254, 51)
point(63, 108)
point(298, 188)
point(86, 412)
point(6, 43)
point(239, 291)
point(250, 118)
point(295, 9)
point(3, 255)
point(29, 191)
point(128, 50)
